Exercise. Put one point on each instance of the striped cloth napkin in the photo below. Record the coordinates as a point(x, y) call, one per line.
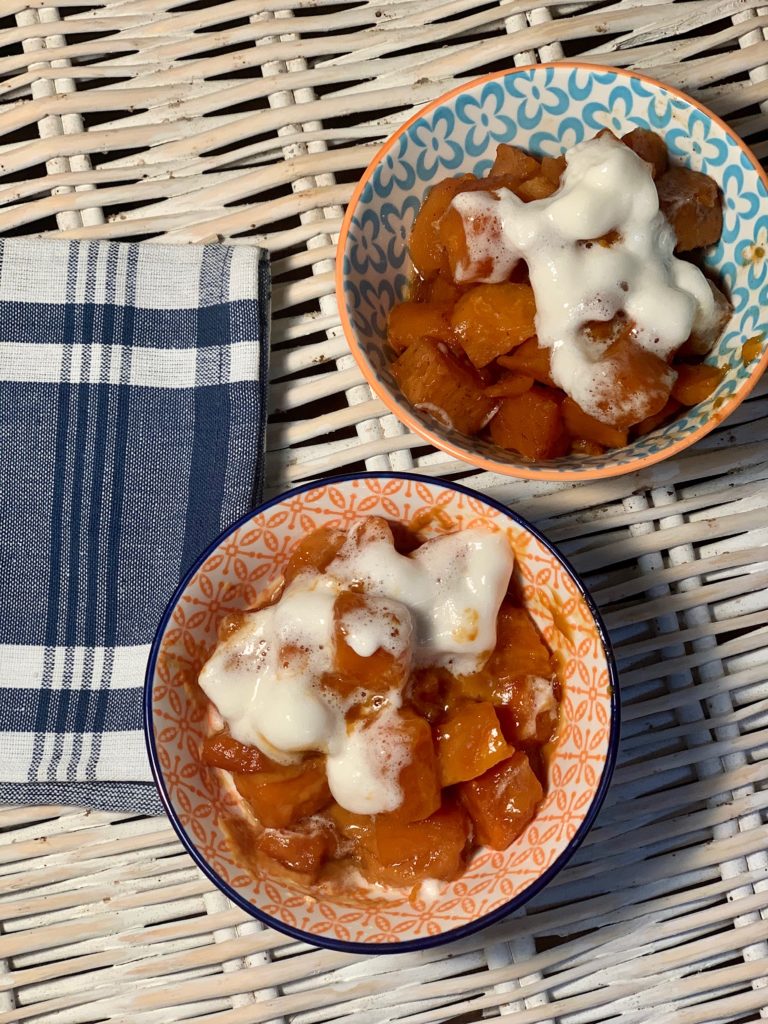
point(132, 409)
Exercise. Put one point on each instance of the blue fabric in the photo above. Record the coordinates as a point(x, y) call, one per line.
point(132, 414)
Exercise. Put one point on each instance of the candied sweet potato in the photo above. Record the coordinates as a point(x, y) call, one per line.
point(378, 672)
point(694, 384)
point(305, 852)
point(531, 359)
point(692, 204)
point(581, 425)
point(539, 187)
point(491, 319)
point(519, 652)
point(403, 854)
point(431, 377)
point(284, 796)
point(649, 147)
point(509, 385)
point(426, 250)
point(514, 164)
point(580, 446)
point(650, 423)
point(530, 424)
point(419, 777)
point(530, 712)
point(552, 168)
point(314, 552)
point(409, 321)
point(453, 231)
point(502, 801)
point(641, 384)
point(702, 340)
point(223, 751)
point(443, 292)
point(469, 742)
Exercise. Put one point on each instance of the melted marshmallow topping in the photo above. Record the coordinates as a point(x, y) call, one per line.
point(437, 606)
point(605, 187)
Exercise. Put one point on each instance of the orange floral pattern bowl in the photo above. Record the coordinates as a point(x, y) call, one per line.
point(229, 576)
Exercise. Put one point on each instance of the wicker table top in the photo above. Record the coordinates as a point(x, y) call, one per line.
point(188, 122)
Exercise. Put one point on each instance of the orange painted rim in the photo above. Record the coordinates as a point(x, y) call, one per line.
point(478, 461)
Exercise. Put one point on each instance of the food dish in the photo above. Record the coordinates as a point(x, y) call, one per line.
point(388, 708)
point(232, 575)
point(548, 306)
point(546, 110)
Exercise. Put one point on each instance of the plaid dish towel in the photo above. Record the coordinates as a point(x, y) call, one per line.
point(132, 414)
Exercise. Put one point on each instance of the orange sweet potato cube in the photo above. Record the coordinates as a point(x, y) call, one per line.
point(530, 712)
point(284, 796)
point(552, 167)
point(509, 385)
point(377, 672)
point(430, 376)
point(646, 426)
point(580, 446)
point(580, 424)
point(469, 742)
point(454, 232)
point(443, 292)
point(427, 251)
point(694, 384)
point(649, 147)
point(223, 751)
point(304, 852)
point(531, 359)
point(502, 801)
point(314, 552)
point(491, 319)
point(692, 204)
point(403, 854)
point(641, 384)
point(514, 164)
point(530, 424)
point(419, 777)
point(539, 187)
point(409, 321)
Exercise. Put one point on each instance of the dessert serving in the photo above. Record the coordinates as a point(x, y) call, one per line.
point(388, 707)
point(557, 305)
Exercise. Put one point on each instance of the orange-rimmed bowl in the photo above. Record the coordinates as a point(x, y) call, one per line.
point(231, 574)
point(546, 109)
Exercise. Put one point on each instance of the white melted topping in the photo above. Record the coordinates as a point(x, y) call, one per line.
point(437, 606)
point(605, 187)
point(543, 699)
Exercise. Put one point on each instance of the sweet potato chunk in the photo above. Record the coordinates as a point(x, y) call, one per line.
point(314, 552)
point(694, 384)
point(419, 777)
point(658, 419)
point(531, 359)
point(378, 672)
point(536, 188)
point(641, 384)
point(509, 385)
point(409, 321)
point(692, 204)
point(519, 653)
point(502, 801)
point(530, 712)
point(530, 424)
point(403, 854)
point(649, 147)
point(427, 251)
point(305, 852)
point(430, 376)
point(455, 235)
point(443, 292)
point(552, 168)
point(702, 340)
point(581, 425)
point(491, 319)
point(469, 742)
point(516, 165)
point(222, 751)
point(282, 797)
point(580, 446)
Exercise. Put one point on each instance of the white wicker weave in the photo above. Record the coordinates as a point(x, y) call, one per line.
point(243, 120)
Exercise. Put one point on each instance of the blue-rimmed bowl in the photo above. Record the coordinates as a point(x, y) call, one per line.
point(546, 109)
point(199, 800)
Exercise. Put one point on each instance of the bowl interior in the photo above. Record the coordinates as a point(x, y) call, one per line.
point(547, 109)
point(229, 578)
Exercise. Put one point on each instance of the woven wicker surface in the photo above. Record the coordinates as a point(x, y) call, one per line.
point(189, 122)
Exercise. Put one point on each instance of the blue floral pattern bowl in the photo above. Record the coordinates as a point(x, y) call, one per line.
point(546, 109)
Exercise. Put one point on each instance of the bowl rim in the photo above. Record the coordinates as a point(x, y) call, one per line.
point(452, 934)
point(405, 416)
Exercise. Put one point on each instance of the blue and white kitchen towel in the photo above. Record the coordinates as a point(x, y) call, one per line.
point(132, 416)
